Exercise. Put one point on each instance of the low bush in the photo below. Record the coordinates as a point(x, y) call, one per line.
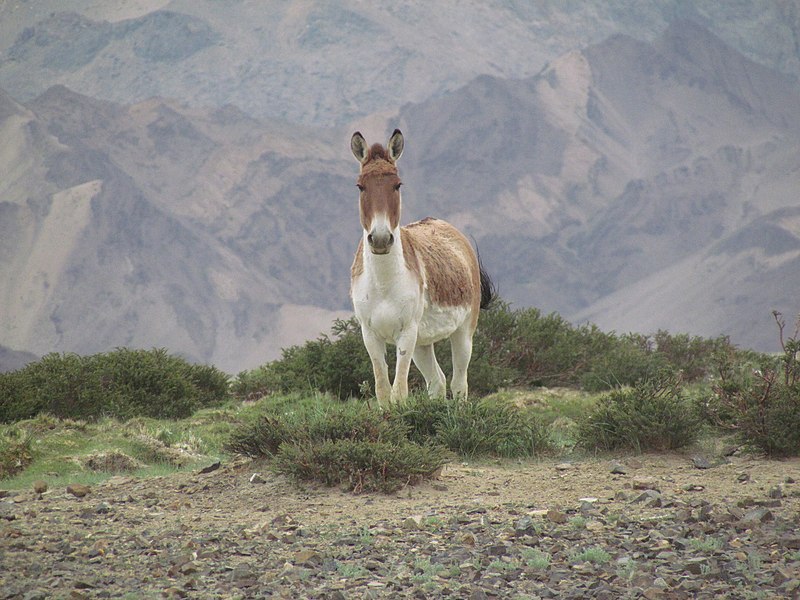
point(474, 428)
point(361, 465)
point(653, 415)
point(348, 444)
point(16, 452)
point(762, 403)
point(336, 364)
point(511, 348)
point(123, 383)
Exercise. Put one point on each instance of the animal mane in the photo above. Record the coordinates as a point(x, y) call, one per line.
point(378, 152)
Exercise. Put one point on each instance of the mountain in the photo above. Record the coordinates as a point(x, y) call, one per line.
point(613, 166)
point(331, 63)
point(131, 226)
point(639, 183)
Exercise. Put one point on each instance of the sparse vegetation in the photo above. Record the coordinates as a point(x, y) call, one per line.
point(88, 451)
point(592, 555)
point(65, 404)
point(475, 428)
point(653, 415)
point(519, 348)
point(123, 383)
point(761, 400)
point(345, 444)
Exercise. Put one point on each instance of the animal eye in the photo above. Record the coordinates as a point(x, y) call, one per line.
point(397, 187)
point(360, 187)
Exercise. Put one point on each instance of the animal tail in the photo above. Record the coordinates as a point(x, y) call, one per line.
point(488, 289)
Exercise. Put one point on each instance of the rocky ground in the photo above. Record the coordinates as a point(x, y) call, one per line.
point(653, 526)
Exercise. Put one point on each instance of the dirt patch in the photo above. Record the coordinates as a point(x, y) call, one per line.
point(112, 462)
point(654, 526)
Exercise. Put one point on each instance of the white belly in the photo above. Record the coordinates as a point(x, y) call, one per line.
point(439, 323)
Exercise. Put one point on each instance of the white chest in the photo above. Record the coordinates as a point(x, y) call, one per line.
point(387, 308)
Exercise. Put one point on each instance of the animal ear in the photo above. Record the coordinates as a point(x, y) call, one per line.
point(396, 145)
point(359, 147)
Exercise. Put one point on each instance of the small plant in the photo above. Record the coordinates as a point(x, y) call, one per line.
point(596, 556)
point(706, 544)
point(502, 566)
point(653, 415)
point(337, 364)
point(763, 404)
point(536, 559)
point(16, 452)
point(577, 523)
point(627, 570)
point(425, 570)
point(351, 571)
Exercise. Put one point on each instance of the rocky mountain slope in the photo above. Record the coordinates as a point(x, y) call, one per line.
point(323, 62)
point(112, 237)
point(674, 163)
point(638, 183)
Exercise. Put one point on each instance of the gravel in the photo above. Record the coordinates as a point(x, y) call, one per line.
point(598, 529)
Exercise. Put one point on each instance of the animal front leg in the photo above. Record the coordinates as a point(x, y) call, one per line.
point(376, 349)
point(405, 350)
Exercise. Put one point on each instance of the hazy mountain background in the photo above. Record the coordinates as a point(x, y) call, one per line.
point(177, 173)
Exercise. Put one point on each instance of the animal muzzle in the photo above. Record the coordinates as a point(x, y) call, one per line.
point(380, 241)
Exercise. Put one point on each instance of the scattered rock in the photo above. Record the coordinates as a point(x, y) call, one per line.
point(618, 469)
point(412, 523)
point(210, 468)
point(564, 467)
point(701, 462)
point(757, 515)
point(7, 511)
point(556, 516)
point(39, 486)
point(308, 558)
point(696, 566)
point(78, 490)
point(645, 483)
point(649, 498)
point(257, 478)
point(776, 492)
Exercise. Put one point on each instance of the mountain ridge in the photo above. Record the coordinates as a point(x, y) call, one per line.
point(638, 184)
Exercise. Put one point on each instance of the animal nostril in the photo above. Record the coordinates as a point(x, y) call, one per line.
point(369, 238)
point(391, 239)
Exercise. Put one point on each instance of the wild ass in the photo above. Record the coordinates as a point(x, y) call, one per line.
point(411, 286)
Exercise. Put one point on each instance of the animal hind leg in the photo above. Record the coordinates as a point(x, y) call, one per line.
point(461, 347)
point(425, 359)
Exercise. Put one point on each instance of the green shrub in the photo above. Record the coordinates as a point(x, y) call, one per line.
point(474, 427)
point(16, 452)
point(762, 404)
point(653, 415)
point(511, 348)
point(347, 444)
point(123, 383)
point(361, 465)
point(337, 364)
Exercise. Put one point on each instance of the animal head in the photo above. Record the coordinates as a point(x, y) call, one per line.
point(379, 190)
